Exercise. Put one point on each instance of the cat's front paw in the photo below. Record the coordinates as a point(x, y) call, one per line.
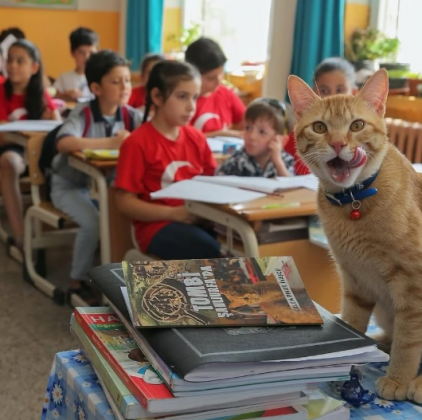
point(414, 392)
point(390, 389)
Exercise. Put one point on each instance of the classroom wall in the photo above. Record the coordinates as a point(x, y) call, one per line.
point(172, 24)
point(49, 28)
point(356, 16)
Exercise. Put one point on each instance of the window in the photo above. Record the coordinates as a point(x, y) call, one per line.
point(239, 26)
point(402, 19)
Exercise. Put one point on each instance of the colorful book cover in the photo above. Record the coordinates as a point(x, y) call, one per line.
point(113, 341)
point(123, 398)
point(218, 292)
point(101, 154)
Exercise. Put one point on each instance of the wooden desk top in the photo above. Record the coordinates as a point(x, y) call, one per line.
point(254, 211)
point(112, 163)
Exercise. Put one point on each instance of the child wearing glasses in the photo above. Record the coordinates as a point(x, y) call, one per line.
point(267, 124)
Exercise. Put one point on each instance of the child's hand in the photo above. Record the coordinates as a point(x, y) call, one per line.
point(181, 215)
point(276, 149)
point(118, 139)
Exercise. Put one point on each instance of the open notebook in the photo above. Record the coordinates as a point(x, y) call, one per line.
point(232, 189)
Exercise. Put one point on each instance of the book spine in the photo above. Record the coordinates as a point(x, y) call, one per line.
point(111, 360)
point(111, 385)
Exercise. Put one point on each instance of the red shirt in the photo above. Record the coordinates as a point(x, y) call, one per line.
point(290, 147)
point(2, 79)
point(218, 111)
point(148, 162)
point(13, 109)
point(137, 98)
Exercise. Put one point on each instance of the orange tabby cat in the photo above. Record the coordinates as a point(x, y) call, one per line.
point(376, 240)
point(266, 295)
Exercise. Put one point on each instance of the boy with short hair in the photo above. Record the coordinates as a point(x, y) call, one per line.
point(219, 111)
point(73, 85)
point(103, 123)
point(267, 124)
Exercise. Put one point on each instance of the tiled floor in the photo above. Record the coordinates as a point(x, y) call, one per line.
point(32, 329)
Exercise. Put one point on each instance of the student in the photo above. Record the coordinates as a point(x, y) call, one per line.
point(160, 152)
point(333, 76)
point(22, 96)
point(267, 124)
point(137, 99)
point(19, 34)
point(100, 124)
point(73, 85)
point(219, 111)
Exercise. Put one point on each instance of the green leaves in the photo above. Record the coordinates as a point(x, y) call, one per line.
point(371, 44)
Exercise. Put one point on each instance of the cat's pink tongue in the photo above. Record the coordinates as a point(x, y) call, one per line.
point(359, 158)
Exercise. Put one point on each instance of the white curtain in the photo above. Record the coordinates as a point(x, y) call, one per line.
point(280, 48)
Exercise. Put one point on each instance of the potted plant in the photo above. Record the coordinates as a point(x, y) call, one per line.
point(368, 45)
point(185, 37)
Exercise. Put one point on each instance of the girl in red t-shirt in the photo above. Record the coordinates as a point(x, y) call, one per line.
point(22, 96)
point(158, 153)
point(137, 98)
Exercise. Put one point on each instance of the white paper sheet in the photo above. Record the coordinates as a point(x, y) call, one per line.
point(206, 193)
point(303, 181)
point(233, 140)
point(215, 145)
point(259, 184)
point(29, 125)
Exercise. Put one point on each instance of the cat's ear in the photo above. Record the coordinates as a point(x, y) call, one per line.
point(375, 91)
point(300, 94)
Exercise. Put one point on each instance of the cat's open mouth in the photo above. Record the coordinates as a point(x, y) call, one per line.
point(340, 169)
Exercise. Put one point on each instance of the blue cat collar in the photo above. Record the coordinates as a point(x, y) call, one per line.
point(356, 193)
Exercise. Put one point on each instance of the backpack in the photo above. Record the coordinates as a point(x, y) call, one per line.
point(49, 147)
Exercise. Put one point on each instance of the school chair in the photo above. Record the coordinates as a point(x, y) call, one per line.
point(45, 227)
point(5, 237)
point(407, 137)
point(135, 254)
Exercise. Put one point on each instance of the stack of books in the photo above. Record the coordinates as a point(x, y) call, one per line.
point(223, 339)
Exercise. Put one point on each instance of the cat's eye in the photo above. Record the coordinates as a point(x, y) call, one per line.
point(319, 127)
point(357, 126)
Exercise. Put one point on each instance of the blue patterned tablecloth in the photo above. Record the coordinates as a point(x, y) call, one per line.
point(74, 393)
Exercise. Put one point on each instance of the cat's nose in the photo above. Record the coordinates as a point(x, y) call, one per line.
point(338, 146)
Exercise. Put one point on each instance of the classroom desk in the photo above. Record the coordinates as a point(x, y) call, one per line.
point(314, 263)
point(115, 229)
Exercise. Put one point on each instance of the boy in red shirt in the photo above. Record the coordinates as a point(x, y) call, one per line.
point(219, 111)
point(160, 152)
